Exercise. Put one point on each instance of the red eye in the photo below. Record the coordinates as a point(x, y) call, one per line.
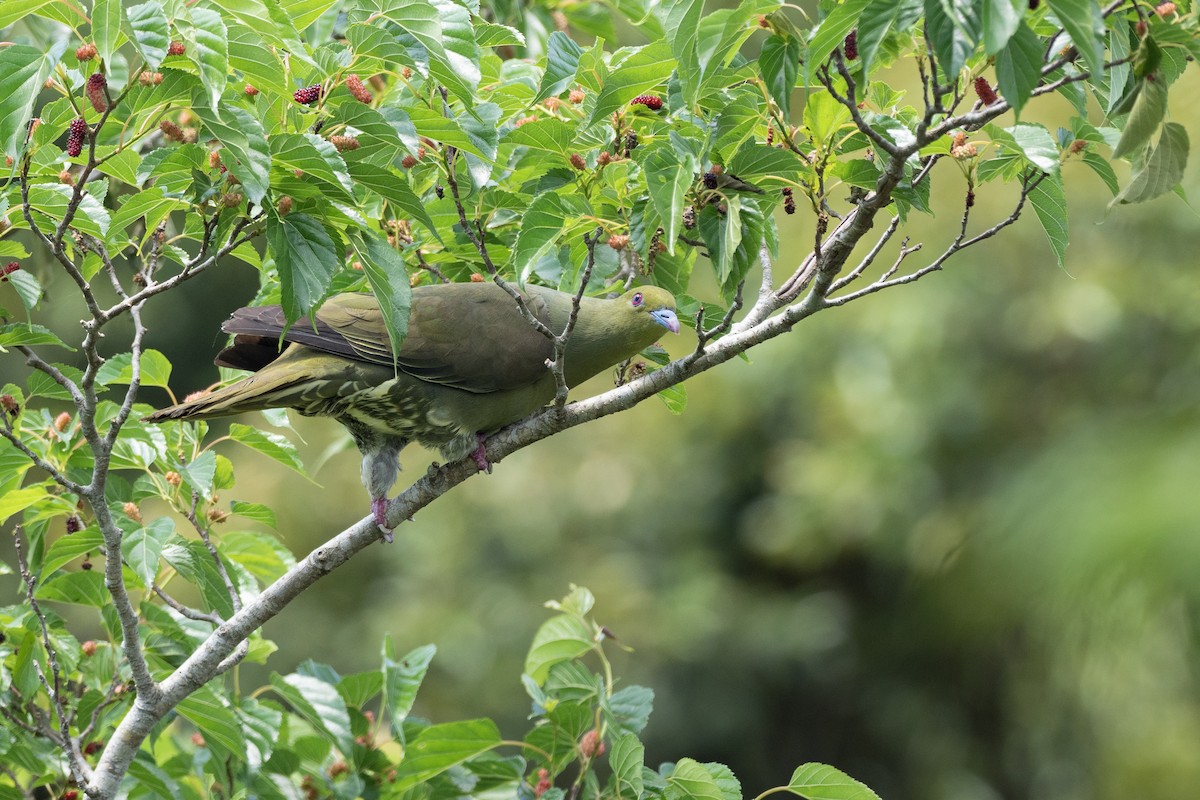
point(637, 299)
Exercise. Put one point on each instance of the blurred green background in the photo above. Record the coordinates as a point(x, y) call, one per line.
point(946, 538)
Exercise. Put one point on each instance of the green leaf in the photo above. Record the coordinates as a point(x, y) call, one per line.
point(257, 62)
point(824, 117)
point(52, 199)
point(1049, 201)
point(675, 398)
point(681, 21)
point(17, 501)
point(68, 548)
point(395, 189)
point(320, 704)
point(626, 759)
point(207, 42)
point(560, 638)
point(85, 588)
point(155, 370)
point(1000, 20)
point(646, 69)
point(149, 31)
point(271, 445)
point(305, 12)
point(106, 27)
point(440, 747)
point(443, 129)
point(779, 63)
point(691, 781)
point(550, 135)
point(873, 25)
point(1019, 66)
point(149, 203)
point(143, 548)
point(402, 679)
point(540, 228)
point(317, 158)
point(1083, 20)
point(23, 333)
point(1148, 110)
point(668, 177)
point(953, 29)
point(247, 153)
point(13, 10)
point(457, 67)
point(1099, 165)
point(1036, 144)
point(263, 555)
point(830, 34)
point(199, 474)
point(306, 259)
point(491, 34)
point(389, 282)
point(209, 712)
point(1163, 170)
point(562, 59)
point(821, 782)
point(763, 164)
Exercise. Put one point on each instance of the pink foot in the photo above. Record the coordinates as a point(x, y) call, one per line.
point(379, 509)
point(479, 456)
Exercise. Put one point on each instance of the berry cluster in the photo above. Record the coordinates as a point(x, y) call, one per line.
point(789, 202)
point(344, 143)
point(171, 130)
point(648, 100)
point(987, 95)
point(360, 92)
point(85, 52)
point(851, 45)
point(97, 86)
point(308, 95)
point(75, 136)
point(578, 162)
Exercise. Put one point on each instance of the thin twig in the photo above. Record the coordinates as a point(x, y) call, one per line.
point(705, 335)
point(234, 598)
point(559, 366)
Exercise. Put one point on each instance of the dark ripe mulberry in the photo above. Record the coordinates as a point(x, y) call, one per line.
point(75, 136)
point(710, 180)
point(360, 92)
point(440, 191)
point(689, 218)
point(74, 524)
point(308, 95)
point(987, 95)
point(1033, 5)
point(97, 86)
point(851, 45)
point(631, 141)
point(970, 198)
point(648, 100)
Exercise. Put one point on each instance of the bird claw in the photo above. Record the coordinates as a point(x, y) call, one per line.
point(479, 456)
point(379, 510)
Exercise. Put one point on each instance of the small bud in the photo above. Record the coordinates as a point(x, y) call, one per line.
point(552, 103)
point(10, 404)
point(850, 45)
point(63, 420)
point(250, 91)
point(284, 206)
point(406, 73)
point(171, 130)
point(85, 52)
point(344, 143)
point(576, 96)
point(355, 85)
point(308, 95)
point(338, 768)
point(66, 178)
point(592, 744)
point(217, 515)
point(409, 161)
point(1078, 146)
point(175, 49)
point(987, 95)
point(603, 159)
point(1141, 28)
point(145, 78)
point(231, 199)
point(525, 121)
point(618, 241)
point(88, 648)
point(214, 159)
point(132, 511)
point(1164, 9)
point(477, 278)
point(648, 100)
point(173, 478)
point(421, 151)
point(763, 22)
point(577, 161)
point(356, 266)
point(92, 747)
point(198, 739)
point(97, 86)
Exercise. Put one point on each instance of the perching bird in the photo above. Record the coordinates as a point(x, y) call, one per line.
point(470, 364)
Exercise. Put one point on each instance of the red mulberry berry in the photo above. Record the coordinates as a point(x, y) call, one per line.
point(851, 45)
point(987, 95)
point(175, 49)
point(75, 137)
point(308, 95)
point(360, 92)
point(408, 162)
point(344, 143)
point(86, 52)
point(577, 161)
point(170, 130)
point(648, 100)
point(5, 271)
point(250, 90)
point(284, 206)
point(96, 92)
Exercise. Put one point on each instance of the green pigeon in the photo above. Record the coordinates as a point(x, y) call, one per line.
point(470, 364)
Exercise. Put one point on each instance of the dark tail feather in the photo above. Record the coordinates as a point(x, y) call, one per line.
point(279, 385)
